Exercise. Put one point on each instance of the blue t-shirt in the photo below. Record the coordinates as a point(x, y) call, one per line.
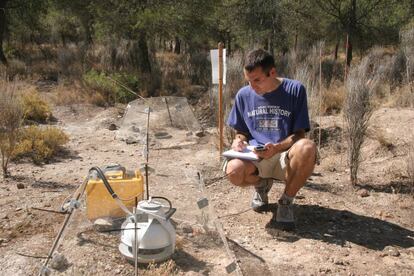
point(273, 116)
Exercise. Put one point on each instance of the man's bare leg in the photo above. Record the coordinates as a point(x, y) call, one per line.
point(242, 173)
point(302, 158)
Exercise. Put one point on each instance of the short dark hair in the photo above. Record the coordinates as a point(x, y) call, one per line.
point(259, 58)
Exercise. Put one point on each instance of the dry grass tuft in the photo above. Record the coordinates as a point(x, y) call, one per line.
point(164, 269)
point(358, 110)
point(11, 118)
point(333, 99)
point(67, 95)
point(40, 144)
point(35, 108)
point(401, 97)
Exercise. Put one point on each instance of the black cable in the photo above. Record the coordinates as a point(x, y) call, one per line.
point(101, 175)
point(166, 199)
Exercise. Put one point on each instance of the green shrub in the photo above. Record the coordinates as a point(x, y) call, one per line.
point(111, 86)
point(40, 144)
point(11, 118)
point(35, 108)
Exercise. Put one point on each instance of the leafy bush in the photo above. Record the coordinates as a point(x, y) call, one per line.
point(331, 70)
point(111, 86)
point(40, 144)
point(11, 117)
point(35, 108)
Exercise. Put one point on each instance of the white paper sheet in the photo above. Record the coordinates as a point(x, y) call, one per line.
point(247, 154)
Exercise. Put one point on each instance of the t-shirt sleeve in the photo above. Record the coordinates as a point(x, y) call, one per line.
point(301, 115)
point(236, 119)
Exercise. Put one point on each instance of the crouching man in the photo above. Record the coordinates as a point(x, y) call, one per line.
point(271, 111)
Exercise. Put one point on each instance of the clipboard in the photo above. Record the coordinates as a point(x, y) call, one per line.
point(246, 154)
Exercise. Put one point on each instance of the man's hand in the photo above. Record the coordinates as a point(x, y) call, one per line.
point(270, 150)
point(238, 144)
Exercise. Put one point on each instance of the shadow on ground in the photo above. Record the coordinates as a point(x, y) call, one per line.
point(341, 227)
point(394, 187)
point(187, 262)
point(250, 263)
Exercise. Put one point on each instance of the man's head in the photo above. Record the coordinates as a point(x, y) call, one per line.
point(259, 59)
point(260, 71)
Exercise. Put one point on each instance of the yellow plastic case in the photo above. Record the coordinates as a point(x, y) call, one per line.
point(99, 203)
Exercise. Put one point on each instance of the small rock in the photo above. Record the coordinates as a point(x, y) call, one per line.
point(200, 133)
point(20, 186)
point(112, 127)
point(59, 262)
point(162, 135)
point(18, 209)
point(363, 193)
point(103, 224)
point(187, 228)
point(5, 216)
point(391, 251)
point(338, 262)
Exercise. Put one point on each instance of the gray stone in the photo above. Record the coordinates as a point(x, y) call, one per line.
point(20, 186)
point(391, 251)
point(363, 193)
point(103, 224)
point(131, 140)
point(162, 135)
point(112, 127)
point(59, 262)
point(187, 228)
point(200, 133)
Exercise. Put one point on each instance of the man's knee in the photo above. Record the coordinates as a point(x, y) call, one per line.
point(236, 171)
point(305, 149)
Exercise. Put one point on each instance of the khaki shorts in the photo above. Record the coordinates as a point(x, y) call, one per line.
point(274, 167)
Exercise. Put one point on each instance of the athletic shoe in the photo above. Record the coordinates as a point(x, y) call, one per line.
point(284, 216)
point(260, 199)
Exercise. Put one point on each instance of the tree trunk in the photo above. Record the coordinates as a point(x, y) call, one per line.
point(144, 63)
point(336, 50)
point(351, 30)
point(228, 44)
point(86, 22)
point(3, 23)
point(296, 41)
point(271, 45)
point(177, 48)
point(349, 52)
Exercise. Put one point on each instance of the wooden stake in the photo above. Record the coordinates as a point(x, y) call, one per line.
point(320, 95)
point(220, 98)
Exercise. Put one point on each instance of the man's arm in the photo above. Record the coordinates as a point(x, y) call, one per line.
point(272, 149)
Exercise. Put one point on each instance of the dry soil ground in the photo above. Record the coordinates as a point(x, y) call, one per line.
point(338, 231)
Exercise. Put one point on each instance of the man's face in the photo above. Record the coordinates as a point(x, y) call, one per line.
point(259, 81)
